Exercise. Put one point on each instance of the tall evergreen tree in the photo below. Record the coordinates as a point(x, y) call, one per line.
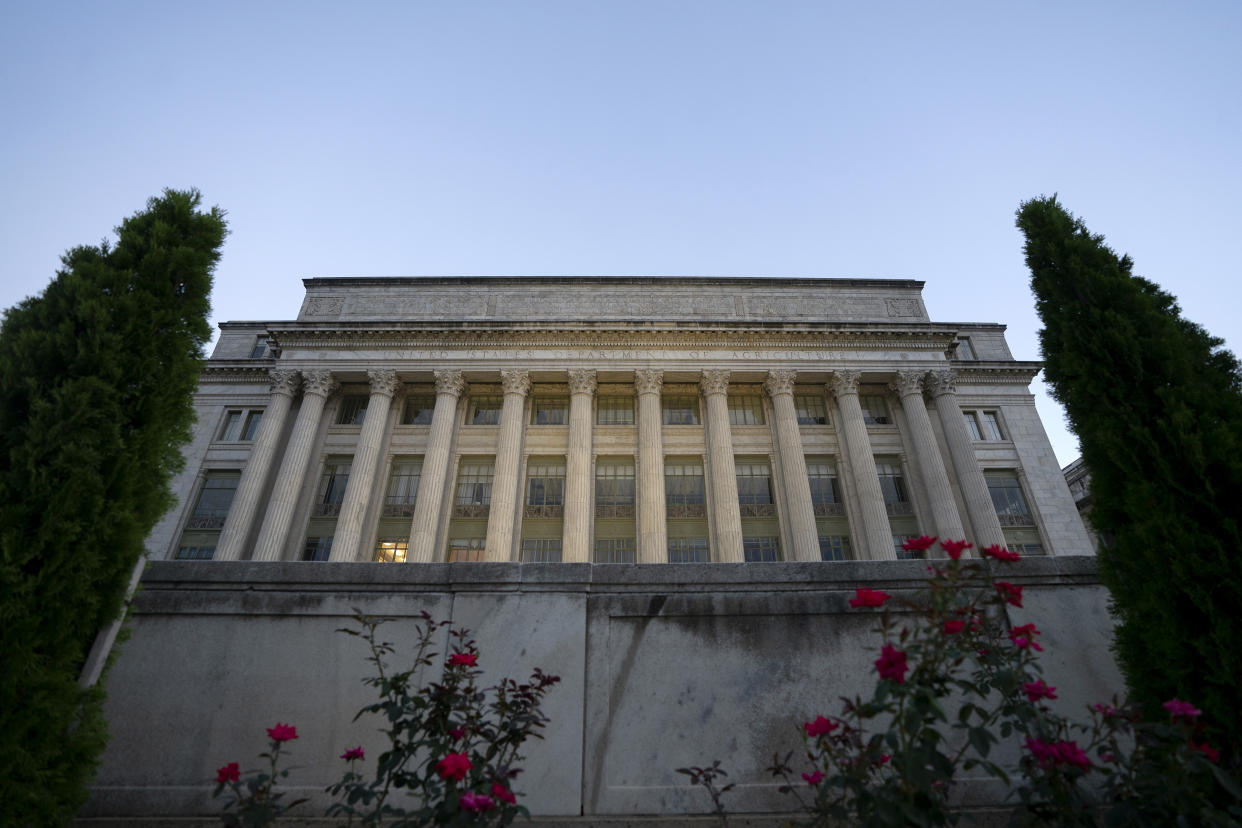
point(1157, 405)
point(96, 380)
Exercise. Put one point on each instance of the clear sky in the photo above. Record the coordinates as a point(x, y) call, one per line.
point(770, 138)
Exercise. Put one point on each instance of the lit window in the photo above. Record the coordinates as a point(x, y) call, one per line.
point(550, 411)
point(392, 550)
point(823, 479)
point(614, 484)
point(240, 426)
point(474, 484)
point(484, 410)
point(972, 425)
point(892, 483)
point(614, 550)
point(541, 550)
point(687, 550)
point(615, 411)
point(466, 549)
point(683, 484)
point(317, 549)
point(810, 409)
point(834, 548)
point(680, 410)
point(1007, 495)
point(761, 550)
point(353, 410)
point(545, 483)
point(754, 483)
point(419, 409)
point(745, 410)
point(874, 409)
point(259, 351)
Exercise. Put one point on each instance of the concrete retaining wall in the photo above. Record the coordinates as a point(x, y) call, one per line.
point(661, 666)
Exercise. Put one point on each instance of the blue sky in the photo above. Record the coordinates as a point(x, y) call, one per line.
point(635, 138)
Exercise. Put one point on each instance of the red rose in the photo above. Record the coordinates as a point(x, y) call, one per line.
point(1036, 690)
point(920, 544)
point(463, 659)
point(864, 597)
point(471, 801)
point(282, 732)
point(1000, 553)
point(819, 727)
point(891, 664)
point(229, 773)
point(954, 548)
point(503, 794)
point(454, 766)
point(954, 627)
point(813, 778)
point(1207, 750)
point(352, 753)
point(1011, 593)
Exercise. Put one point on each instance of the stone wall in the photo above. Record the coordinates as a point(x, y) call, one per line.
point(662, 666)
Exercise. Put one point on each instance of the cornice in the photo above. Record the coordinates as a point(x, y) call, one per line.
point(246, 374)
point(997, 373)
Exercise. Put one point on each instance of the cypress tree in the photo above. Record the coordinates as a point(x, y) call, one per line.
point(1157, 405)
point(96, 380)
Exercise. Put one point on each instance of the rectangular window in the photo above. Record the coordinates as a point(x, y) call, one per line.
point(892, 482)
point(615, 411)
point(810, 409)
point(259, 351)
point(353, 410)
point(761, 550)
point(474, 483)
point(991, 426)
point(317, 549)
point(688, 550)
point(972, 425)
point(874, 409)
point(545, 483)
point(214, 500)
point(195, 553)
point(614, 550)
point(683, 483)
point(614, 483)
point(484, 410)
point(240, 425)
point(834, 548)
point(332, 485)
point(1007, 495)
point(754, 483)
point(419, 409)
point(550, 411)
point(392, 550)
point(541, 550)
point(822, 475)
point(680, 410)
point(402, 492)
point(466, 549)
point(745, 409)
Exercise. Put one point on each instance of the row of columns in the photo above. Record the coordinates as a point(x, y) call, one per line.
point(872, 517)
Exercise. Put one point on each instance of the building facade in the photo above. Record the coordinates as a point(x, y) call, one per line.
point(613, 420)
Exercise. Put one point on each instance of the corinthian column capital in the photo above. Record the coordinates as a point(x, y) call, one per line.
point(449, 382)
point(318, 383)
point(285, 381)
point(515, 381)
point(648, 381)
point(941, 382)
point(780, 382)
point(907, 383)
point(383, 381)
point(715, 381)
point(581, 381)
point(844, 382)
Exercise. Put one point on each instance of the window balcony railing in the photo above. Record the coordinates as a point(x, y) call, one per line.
point(206, 522)
point(625, 511)
point(544, 511)
point(471, 510)
point(829, 509)
point(326, 510)
point(685, 510)
point(1016, 520)
point(399, 510)
point(897, 509)
point(757, 510)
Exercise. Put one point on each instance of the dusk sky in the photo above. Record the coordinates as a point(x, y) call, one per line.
point(890, 140)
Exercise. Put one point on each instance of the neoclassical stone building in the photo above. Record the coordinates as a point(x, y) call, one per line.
point(613, 420)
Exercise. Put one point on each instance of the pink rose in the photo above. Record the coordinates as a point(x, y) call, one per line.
point(454, 766)
point(476, 802)
point(819, 727)
point(458, 733)
point(813, 778)
point(1181, 710)
point(1036, 690)
point(282, 732)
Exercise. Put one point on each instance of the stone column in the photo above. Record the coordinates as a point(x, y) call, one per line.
point(878, 541)
point(909, 386)
point(805, 533)
point(347, 542)
point(508, 454)
point(715, 387)
point(653, 530)
point(974, 488)
point(316, 386)
point(576, 542)
point(240, 522)
point(427, 508)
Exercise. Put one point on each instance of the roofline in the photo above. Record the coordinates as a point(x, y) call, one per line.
point(757, 281)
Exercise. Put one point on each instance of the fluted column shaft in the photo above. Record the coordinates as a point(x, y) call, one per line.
point(909, 386)
point(576, 541)
point(347, 542)
point(970, 479)
point(652, 525)
point(878, 537)
point(240, 521)
point(715, 387)
point(508, 454)
point(428, 506)
point(793, 466)
point(316, 386)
